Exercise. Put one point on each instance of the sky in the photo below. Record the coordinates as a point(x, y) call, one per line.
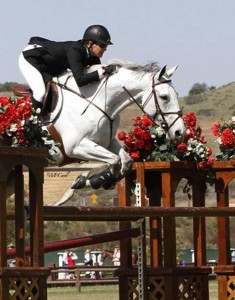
point(197, 35)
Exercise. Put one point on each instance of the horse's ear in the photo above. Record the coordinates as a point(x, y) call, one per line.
point(161, 73)
point(170, 72)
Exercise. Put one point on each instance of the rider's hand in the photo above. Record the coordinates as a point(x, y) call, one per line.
point(109, 70)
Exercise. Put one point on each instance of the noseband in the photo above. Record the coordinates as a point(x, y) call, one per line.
point(164, 124)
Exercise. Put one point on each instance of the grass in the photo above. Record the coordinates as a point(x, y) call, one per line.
point(94, 292)
point(213, 288)
point(103, 292)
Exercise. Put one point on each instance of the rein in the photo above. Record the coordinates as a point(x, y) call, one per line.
point(90, 102)
point(158, 109)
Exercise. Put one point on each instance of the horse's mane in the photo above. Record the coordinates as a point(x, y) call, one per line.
point(151, 67)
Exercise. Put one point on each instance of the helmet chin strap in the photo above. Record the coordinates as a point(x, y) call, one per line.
point(88, 47)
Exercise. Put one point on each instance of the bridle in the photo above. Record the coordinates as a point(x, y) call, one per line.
point(153, 93)
point(159, 111)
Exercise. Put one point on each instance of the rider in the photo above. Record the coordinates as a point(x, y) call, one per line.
point(43, 59)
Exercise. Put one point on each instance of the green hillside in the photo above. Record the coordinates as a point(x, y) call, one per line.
point(209, 107)
point(214, 104)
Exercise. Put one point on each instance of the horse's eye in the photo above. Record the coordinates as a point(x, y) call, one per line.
point(165, 97)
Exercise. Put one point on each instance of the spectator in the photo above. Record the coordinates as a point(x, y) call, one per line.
point(68, 258)
point(87, 258)
point(116, 256)
point(65, 258)
point(71, 259)
point(88, 262)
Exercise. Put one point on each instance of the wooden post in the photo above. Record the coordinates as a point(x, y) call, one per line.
point(20, 217)
point(168, 200)
point(199, 225)
point(225, 172)
point(154, 193)
point(31, 282)
point(124, 198)
point(36, 219)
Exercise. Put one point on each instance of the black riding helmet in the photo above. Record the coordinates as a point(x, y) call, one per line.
point(97, 33)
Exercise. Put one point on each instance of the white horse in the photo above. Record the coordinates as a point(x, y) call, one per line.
point(86, 119)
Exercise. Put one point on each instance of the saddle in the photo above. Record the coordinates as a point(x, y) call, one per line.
point(49, 101)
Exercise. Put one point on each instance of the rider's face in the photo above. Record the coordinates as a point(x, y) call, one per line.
point(97, 49)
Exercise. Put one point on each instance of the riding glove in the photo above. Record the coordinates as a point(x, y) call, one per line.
point(109, 70)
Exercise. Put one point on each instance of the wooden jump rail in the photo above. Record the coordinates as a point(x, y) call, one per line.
point(81, 213)
point(83, 241)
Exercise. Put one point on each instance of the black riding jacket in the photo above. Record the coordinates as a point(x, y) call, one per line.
point(54, 58)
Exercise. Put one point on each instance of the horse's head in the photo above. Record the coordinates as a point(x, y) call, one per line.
point(151, 89)
point(162, 104)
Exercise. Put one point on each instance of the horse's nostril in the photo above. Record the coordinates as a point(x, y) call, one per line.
point(177, 133)
point(164, 125)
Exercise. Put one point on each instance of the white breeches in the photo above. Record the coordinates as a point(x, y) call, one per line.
point(32, 76)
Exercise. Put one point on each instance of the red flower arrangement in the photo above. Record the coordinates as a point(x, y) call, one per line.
point(226, 139)
point(148, 141)
point(194, 147)
point(20, 123)
point(139, 142)
point(13, 113)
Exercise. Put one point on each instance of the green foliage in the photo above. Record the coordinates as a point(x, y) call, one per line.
point(198, 88)
point(58, 230)
point(7, 86)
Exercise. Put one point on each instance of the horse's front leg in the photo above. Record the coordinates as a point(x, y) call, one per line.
point(126, 160)
point(90, 151)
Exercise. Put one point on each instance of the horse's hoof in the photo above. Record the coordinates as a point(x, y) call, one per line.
point(108, 185)
point(95, 182)
point(106, 176)
point(79, 183)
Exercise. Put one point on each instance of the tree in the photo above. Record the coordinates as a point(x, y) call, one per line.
point(198, 88)
point(7, 86)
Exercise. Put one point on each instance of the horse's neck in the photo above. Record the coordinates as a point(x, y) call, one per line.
point(113, 94)
point(129, 89)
